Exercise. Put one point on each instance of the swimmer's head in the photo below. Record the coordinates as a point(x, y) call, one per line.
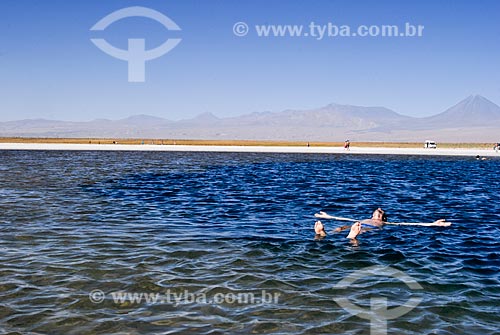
point(379, 214)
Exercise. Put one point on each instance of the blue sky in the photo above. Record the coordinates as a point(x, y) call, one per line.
point(50, 69)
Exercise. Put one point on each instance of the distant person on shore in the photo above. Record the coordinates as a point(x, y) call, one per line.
point(378, 220)
point(347, 144)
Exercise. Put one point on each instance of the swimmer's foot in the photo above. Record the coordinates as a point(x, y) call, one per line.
point(355, 230)
point(319, 228)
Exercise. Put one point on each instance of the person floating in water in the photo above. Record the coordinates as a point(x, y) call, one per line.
point(378, 220)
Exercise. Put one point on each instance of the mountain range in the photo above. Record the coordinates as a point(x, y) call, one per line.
point(474, 119)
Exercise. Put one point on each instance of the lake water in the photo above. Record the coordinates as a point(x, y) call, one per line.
point(202, 231)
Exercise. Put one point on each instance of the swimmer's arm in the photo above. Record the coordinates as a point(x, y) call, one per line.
point(323, 215)
point(437, 223)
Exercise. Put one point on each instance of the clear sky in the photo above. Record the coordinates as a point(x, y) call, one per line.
point(50, 69)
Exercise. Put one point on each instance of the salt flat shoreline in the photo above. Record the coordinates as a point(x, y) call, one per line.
point(254, 149)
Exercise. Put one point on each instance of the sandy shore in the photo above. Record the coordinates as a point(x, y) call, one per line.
point(263, 149)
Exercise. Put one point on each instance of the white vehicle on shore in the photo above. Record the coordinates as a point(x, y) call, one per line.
point(428, 144)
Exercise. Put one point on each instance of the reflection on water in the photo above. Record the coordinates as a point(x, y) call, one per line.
point(208, 223)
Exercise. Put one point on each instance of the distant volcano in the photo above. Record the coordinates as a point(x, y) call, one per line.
point(475, 110)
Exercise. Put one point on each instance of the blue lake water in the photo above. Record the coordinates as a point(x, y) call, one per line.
point(202, 224)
